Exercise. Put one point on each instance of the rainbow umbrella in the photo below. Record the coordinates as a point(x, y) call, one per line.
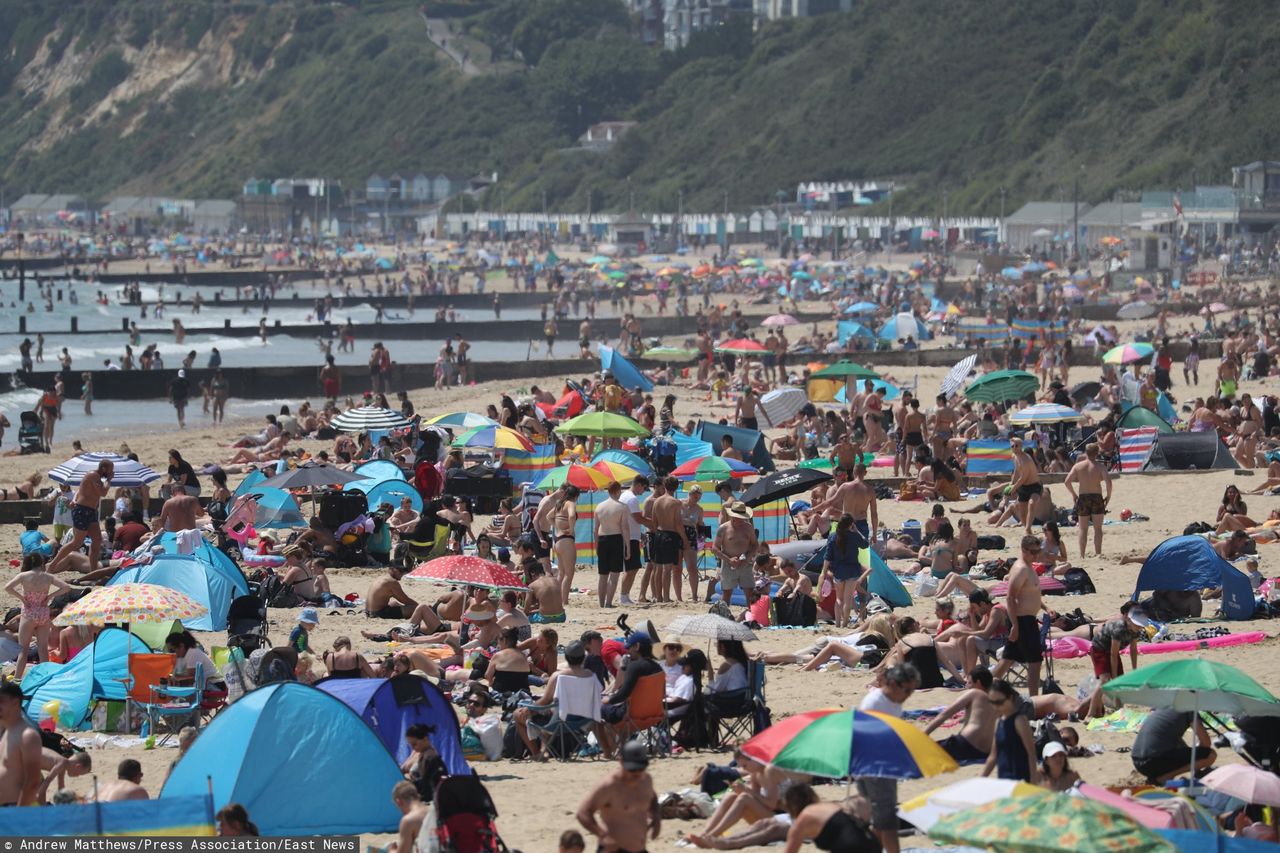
point(619, 459)
point(497, 437)
point(460, 420)
point(741, 346)
point(130, 602)
point(712, 469)
point(839, 744)
point(585, 478)
point(1128, 354)
point(624, 474)
point(1048, 823)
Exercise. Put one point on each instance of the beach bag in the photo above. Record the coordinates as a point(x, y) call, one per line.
point(1078, 582)
point(926, 585)
point(992, 542)
point(1195, 528)
point(720, 608)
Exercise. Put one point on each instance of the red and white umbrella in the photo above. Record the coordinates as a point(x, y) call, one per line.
point(471, 571)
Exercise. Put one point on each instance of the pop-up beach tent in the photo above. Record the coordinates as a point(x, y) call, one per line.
point(1190, 563)
point(1140, 416)
point(202, 582)
point(883, 582)
point(298, 759)
point(98, 672)
point(1183, 451)
point(748, 442)
point(391, 705)
point(624, 371)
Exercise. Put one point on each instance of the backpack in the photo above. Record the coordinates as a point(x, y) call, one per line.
point(1196, 527)
point(274, 592)
point(1077, 582)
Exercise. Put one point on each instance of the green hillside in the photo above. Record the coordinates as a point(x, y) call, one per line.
point(194, 97)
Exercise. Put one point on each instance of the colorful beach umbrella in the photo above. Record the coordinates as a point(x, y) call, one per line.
point(776, 320)
point(460, 420)
point(862, 308)
point(838, 744)
point(603, 425)
point(624, 474)
point(712, 469)
point(620, 459)
point(130, 602)
point(1045, 413)
point(497, 437)
point(1048, 823)
point(1128, 353)
point(588, 479)
point(464, 569)
point(845, 369)
point(741, 346)
point(1001, 385)
point(1245, 782)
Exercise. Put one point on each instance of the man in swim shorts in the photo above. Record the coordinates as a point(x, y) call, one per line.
point(84, 515)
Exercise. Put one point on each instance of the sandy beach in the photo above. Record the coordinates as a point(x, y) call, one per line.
point(537, 801)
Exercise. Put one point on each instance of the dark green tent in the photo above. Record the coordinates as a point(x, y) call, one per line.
point(1137, 416)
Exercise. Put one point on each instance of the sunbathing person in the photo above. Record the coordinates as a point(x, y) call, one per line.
point(915, 647)
point(24, 491)
point(878, 631)
point(943, 557)
point(272, 451)
point(1272, 481)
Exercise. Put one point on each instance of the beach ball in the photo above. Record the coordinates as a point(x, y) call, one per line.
point(1126, 514)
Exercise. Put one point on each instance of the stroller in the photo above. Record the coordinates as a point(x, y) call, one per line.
point(30, 434)
point(465, 818)
point(247, 624)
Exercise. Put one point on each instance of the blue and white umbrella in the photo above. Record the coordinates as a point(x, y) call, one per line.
point(128, 474)
point(1044, 413)
point(369, 419)
point(862, 308)
point(958, 375)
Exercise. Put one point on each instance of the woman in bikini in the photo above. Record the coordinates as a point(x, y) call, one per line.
point(691, 516)
point(24, 491)
point(38, 587)
point(1247, 432)
point(1233, 505)
point(565, 545)
point(343, 662)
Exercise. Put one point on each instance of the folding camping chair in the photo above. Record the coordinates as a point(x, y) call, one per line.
point(145, 670)
point(1017, 674)
point(577, 712)
point(732, 715)
point(168, 703)
point(430, 550)
point(647, 712)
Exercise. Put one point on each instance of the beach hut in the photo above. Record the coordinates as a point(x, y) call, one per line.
point(1185, 451)
point(1189, 563)
point(391, 705)
point(98, 672)
point(284, 739)
point(202, 582)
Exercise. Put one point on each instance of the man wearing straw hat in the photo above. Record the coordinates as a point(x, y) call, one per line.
point(735, 546)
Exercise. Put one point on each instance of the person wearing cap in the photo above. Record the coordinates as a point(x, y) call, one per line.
point(300, 636)
point(1109, 640)
point(640, 662)
point(622, 810)
point(735, 547)
point(179, 393)
point(1055, 772)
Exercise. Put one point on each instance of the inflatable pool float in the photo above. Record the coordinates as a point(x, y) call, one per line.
point(1241, 639)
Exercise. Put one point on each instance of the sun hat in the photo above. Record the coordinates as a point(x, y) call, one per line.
point(737, 509)
point(309, 616)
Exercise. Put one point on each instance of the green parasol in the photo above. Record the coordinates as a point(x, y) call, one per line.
point(602, 425)
point(845, 369)
point(1002, 385)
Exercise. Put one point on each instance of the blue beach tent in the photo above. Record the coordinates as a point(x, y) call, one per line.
point(277, 509)
point(624, 371)
point(202, 582)
point(98, 672)
point(298, 759)
point(1190, 563)
point(390, 490)
point(250, 480)
point(380, 469)
point(391, 705)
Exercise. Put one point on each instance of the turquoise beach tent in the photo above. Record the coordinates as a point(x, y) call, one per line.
point(883, 582)
point(300, 761)
point(98, 672)
point(204, 552)
point(200, 581)
point(391, 491)
point(380, 469)
point(624, 371)
point(277, 509)
point(250, 480)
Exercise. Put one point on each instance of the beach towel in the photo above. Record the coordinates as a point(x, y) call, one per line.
point(1135, 447)
point(1127, 719)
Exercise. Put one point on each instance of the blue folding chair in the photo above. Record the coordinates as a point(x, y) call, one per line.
point(168, 703)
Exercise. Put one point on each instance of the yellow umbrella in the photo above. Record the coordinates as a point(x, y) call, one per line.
point(130, 602)
point(624, 474)
point(497, 437)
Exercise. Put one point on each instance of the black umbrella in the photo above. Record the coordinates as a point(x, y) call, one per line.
point(1085, 391)
point(310, 475)
point(783, 484)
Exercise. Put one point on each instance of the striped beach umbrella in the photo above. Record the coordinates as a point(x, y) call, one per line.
point(1128, 354)
point(127, 473)
point(958, 374)
point(712, 469)
point(497, 437)
point(840, 744)
point(369, 419)
point(1045, 413)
